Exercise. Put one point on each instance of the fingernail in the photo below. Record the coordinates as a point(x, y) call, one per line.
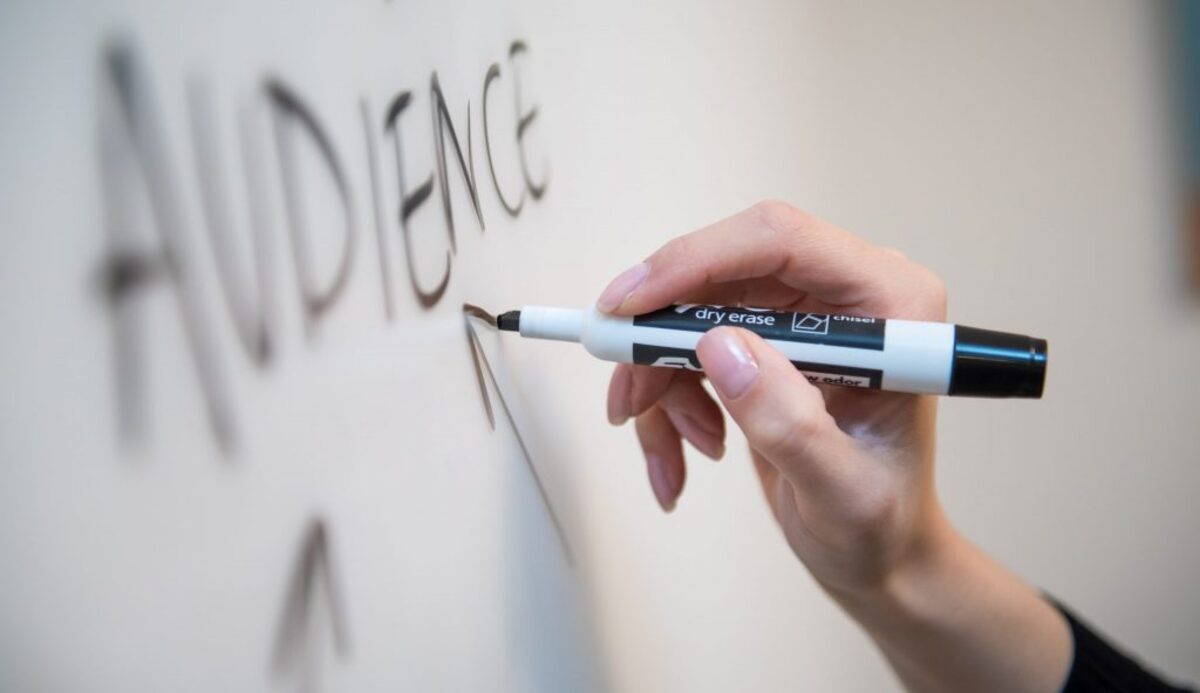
point(730, 366)
point(619, 407)
point(660, 483)
point(620, 288)
point(618, 417)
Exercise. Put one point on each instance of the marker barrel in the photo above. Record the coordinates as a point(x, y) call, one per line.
point(873, 353)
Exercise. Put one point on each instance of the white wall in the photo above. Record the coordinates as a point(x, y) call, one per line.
point(1020, 149)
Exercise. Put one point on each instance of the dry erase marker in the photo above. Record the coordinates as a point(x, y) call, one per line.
point(899, 355)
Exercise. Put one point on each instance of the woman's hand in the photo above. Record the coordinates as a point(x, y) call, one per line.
point(847, 473)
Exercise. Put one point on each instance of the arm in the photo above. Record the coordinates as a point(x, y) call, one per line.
point(847, 474)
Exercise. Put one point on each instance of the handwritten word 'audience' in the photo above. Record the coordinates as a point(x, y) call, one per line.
point(152, 244)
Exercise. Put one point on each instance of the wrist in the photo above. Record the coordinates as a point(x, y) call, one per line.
point(937, 557)
point(948, 618)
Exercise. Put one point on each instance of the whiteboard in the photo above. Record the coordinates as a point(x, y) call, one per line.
point(184, 506)
point(256, 442)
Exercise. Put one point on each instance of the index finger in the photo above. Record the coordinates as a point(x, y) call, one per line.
point(774, 239)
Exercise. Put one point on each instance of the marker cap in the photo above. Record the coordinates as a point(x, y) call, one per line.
point(997, 364)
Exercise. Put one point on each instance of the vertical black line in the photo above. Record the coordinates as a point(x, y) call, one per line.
point(288, 105)
point(409, 203)
point(249, 321)
point(385, 258)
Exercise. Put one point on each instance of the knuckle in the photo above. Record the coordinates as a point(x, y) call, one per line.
point(933, 292)
point(780, 216)
point(923, 293)
point(673, 250)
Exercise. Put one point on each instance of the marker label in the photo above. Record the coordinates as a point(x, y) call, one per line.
point(817, 373)
point(846, 376)
point(666, 357)
point(812, 328)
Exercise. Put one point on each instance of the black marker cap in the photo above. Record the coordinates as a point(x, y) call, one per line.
point(997, 364)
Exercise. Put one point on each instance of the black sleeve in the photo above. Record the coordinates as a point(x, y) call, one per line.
point(1098, 667)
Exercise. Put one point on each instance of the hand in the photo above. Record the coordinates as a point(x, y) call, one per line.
point(848, 474)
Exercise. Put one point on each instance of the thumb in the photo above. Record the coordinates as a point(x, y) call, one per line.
point(781, 413)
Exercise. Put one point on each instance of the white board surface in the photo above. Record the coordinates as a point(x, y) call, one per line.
point(252, 444)
point(183, 510)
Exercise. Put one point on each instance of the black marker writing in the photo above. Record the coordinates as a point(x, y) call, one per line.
point(441, 125)
point(250, 315)
point(381, 235)
point(482, 369)
point(524, 121)
point(409, 202)
point(297, 643)
point(513, 210)
point(293, 116)
point(136, 173)
point(134, 166)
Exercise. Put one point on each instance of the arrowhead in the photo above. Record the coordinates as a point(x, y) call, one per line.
point(483, 373)
point(296, 644)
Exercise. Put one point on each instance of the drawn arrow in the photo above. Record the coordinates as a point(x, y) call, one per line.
point(483, 372)
point(297, 642)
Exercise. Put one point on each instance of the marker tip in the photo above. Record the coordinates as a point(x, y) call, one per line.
point(510, 321)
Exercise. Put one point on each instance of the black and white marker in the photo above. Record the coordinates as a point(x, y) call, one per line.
point(897, 355)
